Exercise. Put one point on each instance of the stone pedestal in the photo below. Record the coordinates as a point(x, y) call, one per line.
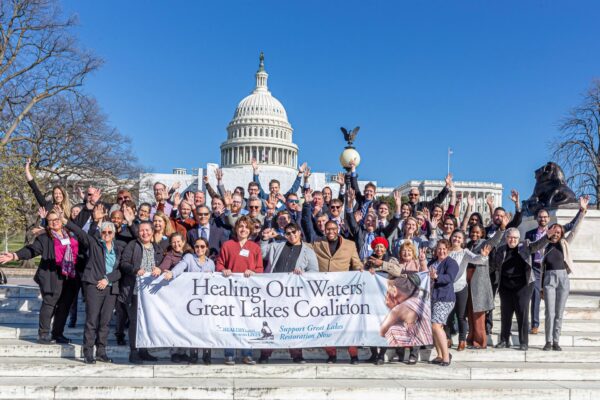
point(585, 247)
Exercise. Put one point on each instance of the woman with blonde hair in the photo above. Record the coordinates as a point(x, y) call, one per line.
point(162, 230)
point(409, 261)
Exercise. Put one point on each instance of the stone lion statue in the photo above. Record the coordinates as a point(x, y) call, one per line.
point(550, 190)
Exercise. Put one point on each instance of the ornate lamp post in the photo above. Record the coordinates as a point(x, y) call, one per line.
point(349, 152)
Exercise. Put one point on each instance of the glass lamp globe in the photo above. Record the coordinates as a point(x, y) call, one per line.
point(348, 155)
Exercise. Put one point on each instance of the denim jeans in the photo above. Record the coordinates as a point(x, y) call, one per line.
point(245, 352)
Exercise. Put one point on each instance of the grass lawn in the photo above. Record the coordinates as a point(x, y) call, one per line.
point(14, 244)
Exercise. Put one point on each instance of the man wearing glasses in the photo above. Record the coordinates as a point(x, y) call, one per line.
point(161, 196)
point(207, 229)
point(292, 204)
point(290, 256)
point(414, 195)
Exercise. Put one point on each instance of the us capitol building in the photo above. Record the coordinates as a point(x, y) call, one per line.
point(260, 129)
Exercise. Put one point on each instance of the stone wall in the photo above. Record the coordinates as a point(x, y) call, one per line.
point(585, 247)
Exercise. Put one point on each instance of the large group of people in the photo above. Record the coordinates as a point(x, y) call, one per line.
point(101, 248)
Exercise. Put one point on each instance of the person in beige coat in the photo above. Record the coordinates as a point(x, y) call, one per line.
point(336, 254)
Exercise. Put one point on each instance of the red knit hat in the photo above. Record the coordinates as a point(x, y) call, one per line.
point(380, 240)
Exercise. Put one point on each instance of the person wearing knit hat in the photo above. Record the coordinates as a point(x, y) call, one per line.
point(380, 240)
point(379, 256)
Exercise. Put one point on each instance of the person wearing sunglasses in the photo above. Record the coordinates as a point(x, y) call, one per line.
point(291, 256)
point(336, 206)
point(292, 204)
point(197, 261)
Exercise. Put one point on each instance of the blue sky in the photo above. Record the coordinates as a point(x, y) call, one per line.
point(489, 79)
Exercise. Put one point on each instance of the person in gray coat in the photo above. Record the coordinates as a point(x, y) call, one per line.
point(290, 256)
point(284, 257)
point(481, 295)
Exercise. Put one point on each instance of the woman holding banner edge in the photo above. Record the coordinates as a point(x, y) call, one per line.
point(240, 255)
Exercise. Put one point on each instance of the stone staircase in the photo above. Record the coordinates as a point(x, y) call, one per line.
point(32, 371)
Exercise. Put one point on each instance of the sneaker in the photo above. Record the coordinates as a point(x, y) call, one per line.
point(556, 347)
point(331, 360)
point(248, 361)
point(229, 361)
point(547, 346)
point(354, 360)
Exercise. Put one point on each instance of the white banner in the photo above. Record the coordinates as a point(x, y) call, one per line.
point(207, 310)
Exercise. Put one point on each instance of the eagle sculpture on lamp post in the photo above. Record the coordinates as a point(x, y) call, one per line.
point(349, 154)
point(350, 136)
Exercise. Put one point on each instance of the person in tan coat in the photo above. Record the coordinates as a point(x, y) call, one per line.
point(336, 254)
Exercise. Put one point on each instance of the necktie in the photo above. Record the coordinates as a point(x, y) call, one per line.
point(203, 234)
point(366, 250)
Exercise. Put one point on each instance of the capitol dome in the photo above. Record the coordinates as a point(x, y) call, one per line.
point(259, 129)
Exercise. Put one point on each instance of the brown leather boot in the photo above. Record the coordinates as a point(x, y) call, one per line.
point(461, 345)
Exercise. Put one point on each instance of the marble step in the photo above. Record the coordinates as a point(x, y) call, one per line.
point(290, 389)
point(7, 291)
point(13, 348)
point(56, 367)
point(27, 317)
point(28, 304)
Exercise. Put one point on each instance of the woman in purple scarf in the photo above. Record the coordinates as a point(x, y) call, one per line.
point(58, 249)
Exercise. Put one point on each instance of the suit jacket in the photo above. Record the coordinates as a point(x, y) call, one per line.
point(530, 235)
point(216, 237)
point(345, 258)
point(359, 233)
